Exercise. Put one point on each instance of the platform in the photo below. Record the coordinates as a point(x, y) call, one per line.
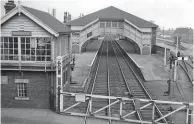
point(83, 63)
point(151, 68)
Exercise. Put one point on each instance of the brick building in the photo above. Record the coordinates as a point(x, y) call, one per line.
point(35, 58)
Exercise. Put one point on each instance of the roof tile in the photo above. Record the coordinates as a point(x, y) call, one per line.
point(49, 20)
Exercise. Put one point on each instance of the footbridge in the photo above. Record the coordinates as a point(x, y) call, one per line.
point(117, 23)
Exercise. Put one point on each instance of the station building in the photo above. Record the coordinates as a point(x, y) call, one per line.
point(113, 21)
point(35, 58)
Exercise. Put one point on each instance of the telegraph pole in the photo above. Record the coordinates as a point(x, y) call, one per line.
point(175, 66)
point(164, 50)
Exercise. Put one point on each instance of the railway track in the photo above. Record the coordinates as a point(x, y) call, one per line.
point(115, 77)
point(188, 69)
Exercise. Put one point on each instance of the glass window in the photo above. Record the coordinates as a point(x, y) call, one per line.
point(108, 24)
point(121, 24)
point(9, 48)
point(35, 49)
point(114, 24)
point(43, 49)
point(32, 49)
point(102, 24)
point(22, 89)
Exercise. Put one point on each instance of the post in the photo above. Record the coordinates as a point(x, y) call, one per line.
point(175, 66)
point(187, 114)
point(90, 105)
point(59, 84)
point(121, 107)
point(164, 54)
point(153, 113)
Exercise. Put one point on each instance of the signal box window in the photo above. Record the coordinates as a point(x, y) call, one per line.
point(114, 24)
point(102, 24)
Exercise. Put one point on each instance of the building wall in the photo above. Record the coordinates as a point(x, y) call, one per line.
point(38, 90)
point(23, 22)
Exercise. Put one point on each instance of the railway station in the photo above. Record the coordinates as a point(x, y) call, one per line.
point(105, 67)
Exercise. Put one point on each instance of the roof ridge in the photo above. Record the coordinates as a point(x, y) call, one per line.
point(112, 12)
point(132, 15)
point(88, 14)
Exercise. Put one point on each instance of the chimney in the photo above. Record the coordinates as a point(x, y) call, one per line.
point(65, 17)
point(54, 13)
point(69, 17)
point(9, 6)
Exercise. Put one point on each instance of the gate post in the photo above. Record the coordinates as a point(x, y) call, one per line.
point(121, 108)
point(59, 84)
point(153, 112)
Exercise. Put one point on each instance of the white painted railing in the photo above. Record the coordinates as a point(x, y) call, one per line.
point(87, 98)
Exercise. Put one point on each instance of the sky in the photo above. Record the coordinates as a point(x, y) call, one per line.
point(165, 13)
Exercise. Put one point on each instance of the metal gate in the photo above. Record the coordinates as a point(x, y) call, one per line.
point(87, 98)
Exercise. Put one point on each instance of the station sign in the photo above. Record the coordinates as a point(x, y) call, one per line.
point(21, 33)
point(76, 33)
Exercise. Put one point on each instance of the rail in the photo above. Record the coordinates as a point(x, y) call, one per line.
point(146, 92)
point(89, 107)
point(138, 113)
point(186, 71)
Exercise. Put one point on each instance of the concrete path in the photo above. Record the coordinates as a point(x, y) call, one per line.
point(44, 116)
point(35, 116)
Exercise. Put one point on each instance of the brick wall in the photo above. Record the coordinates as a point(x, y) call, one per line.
point(38, 90)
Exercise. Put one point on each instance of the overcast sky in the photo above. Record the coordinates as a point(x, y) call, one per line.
point(165, 13)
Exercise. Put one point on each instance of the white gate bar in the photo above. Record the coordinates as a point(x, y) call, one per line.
point(128, 99)
point(135, 111)
point(170, 113)
point(106, 107)
point(110, 118)
point(153, 112)
point(72, 106)
point(90, 105)
point(187, 115)
point(121, 107)
point(138, 121)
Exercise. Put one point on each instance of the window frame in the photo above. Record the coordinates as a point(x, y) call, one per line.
point(9, 48)
point(22, 89)
point(102, 25)
point(113, 24)
point(25, 47)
